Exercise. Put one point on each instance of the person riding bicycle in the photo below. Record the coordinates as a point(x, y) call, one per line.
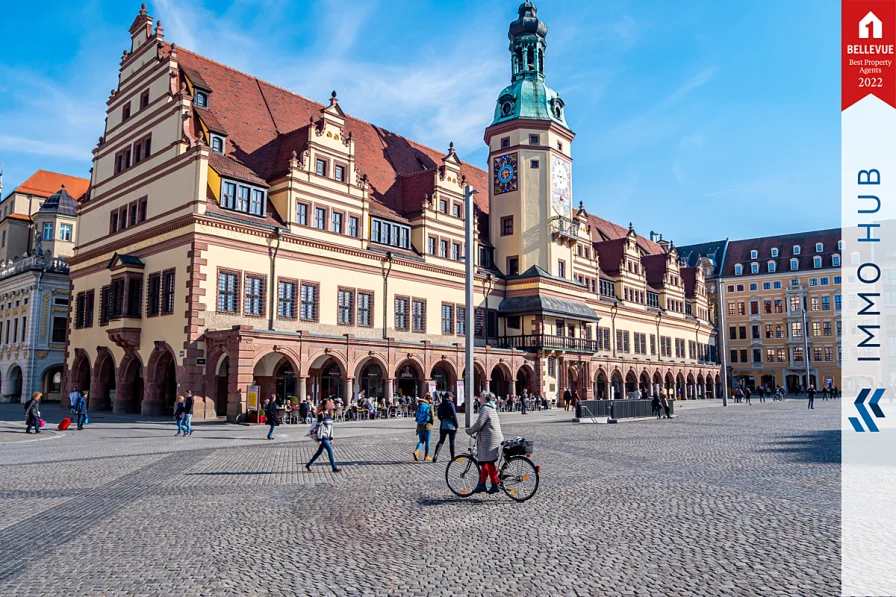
point(488, 442)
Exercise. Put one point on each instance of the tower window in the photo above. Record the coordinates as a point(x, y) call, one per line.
point(505, 142)
point(506, 108)
point(534, 139)
point(560, 145)
point(533, 164)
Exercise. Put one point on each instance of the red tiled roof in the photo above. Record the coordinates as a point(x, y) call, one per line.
point(609, 254)
point(22, 217)
point(603, 230)
point(655, 267)
point(44, 183)
point(257, 115)
point(230, 167)
point(689, 277)
point(208, 118)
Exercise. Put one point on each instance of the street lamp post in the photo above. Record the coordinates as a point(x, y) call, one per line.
point(387, 269)
point(489, 282)
point(469, 257)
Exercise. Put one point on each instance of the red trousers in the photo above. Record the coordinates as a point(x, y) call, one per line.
point(488, 472)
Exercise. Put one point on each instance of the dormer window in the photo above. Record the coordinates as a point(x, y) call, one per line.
point(796, 249)
point(754, 254)
point(201, 98)
point(794, 264)
point(738, 269)
point(217, 143)
point(839, 245)
point(241, 197)
point(819, 247)
point(836, 260)
point(771, 266)
point(754, 268)
point(775, 252)
point(817, 262)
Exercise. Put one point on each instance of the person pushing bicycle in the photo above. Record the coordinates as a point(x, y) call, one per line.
point(488, 442)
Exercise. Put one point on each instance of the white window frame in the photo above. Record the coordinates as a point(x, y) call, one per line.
point(223, 140)
point(819, 247)
point(794, 264)
point(738, 269)
point(204, 95)
point(772, 266)
point(774, 251)
point(796, 249)
point(835, 260)
point(250, 199)
point(63, 228)
point(754, 268)
point(754, 254)
point(48, 226)
point(816, 262)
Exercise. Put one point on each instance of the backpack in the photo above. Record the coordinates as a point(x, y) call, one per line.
point(424, 414)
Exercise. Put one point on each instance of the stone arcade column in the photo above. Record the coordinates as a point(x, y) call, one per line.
point(349, 384)
point(390, 387)
point(303, 388)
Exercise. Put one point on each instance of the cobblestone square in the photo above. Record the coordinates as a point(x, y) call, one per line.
point(741, 500)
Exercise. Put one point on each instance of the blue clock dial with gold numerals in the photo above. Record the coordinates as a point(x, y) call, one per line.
point(504, 173)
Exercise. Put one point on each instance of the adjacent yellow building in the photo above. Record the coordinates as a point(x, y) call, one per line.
point(236, 233)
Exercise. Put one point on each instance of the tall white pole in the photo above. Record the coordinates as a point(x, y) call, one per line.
point(470, 257)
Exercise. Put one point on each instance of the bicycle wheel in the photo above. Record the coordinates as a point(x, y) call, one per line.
point(519, 478)
point(462, 475)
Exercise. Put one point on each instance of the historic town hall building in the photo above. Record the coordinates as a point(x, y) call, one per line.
point(236, 233)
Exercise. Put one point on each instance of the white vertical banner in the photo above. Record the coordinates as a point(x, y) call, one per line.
point(868, 314)
point(460, 392)
point(431, 388)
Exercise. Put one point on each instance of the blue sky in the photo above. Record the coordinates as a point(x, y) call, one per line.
point(699, 119)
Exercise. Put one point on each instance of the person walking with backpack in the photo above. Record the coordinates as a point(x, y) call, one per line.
point(488, 442)
point(32, 413)
point(188, 414)
point(323, 433)
point(179, 415)
point(448, 424)
point(270, 413)
point(82, 413)
point(424, 426)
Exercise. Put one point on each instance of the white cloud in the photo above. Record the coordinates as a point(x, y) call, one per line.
point(695, 140)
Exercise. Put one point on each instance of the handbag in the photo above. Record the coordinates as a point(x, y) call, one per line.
point(41, 422)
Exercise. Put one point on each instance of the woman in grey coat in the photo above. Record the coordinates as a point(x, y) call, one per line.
point(488, 442)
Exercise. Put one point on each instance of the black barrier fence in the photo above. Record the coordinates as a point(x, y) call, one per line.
point(618, 409)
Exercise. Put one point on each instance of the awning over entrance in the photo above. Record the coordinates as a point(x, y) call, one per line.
point(547, 305)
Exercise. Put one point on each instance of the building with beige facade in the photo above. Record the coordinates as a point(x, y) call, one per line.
point(238, 234)
point(37, 228)
point(779, 307)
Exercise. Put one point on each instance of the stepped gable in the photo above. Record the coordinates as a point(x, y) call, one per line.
point(263, 120)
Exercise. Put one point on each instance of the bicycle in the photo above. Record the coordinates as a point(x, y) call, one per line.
point(517, 475)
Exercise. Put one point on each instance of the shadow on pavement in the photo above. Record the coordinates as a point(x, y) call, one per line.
point(816, 447)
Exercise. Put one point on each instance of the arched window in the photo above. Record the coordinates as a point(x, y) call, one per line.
point(754, 254)
point(771, 266)
point(836, 260)
point(796, 249)
point(754, 268)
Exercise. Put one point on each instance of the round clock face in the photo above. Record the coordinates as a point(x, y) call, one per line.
point(505, 174)
point(561, 188)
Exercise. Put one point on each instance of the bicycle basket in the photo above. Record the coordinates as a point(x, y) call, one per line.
point(517, 446)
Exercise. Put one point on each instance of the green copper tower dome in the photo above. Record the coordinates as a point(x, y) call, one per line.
point(527, 96)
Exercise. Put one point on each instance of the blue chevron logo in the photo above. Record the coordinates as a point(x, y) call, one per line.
point(863, 411)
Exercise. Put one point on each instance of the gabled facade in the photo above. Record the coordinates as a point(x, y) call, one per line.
point(237, 233)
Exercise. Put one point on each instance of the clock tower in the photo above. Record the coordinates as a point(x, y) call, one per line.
point(530, 164)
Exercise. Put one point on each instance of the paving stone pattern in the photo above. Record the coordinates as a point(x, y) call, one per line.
point(737, 501)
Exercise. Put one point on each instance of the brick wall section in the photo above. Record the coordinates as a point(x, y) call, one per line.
point(192, 377)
